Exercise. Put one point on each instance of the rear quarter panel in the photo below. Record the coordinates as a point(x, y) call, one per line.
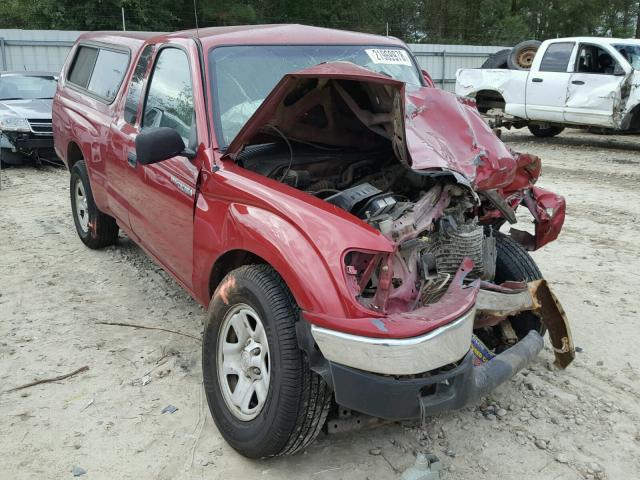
point(510, 84)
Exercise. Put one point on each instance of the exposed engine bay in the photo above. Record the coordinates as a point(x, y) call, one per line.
point(432, 219)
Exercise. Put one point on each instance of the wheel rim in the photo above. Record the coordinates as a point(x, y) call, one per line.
point(525, 57)
point(243, 362)
point(82, 207)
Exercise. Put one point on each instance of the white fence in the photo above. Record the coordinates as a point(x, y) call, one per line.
point(47, 49)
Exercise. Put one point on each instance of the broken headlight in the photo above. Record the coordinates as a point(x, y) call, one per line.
point(12, 123)
point(365, 272)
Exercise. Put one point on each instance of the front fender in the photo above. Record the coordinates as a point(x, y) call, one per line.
point(276, 241)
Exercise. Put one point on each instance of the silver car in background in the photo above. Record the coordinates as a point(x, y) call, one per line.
point(25, 117)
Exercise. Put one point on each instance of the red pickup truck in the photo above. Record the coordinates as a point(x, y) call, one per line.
point(338, 214)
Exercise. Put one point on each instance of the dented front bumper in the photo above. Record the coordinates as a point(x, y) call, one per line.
point(403, 356)
point(405, 398)
point(408, 377)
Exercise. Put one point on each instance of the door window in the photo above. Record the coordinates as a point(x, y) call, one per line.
point(593, 59)
point(169, 101)
point(556, 58)
point(135, 87)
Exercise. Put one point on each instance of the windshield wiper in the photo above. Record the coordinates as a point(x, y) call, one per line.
point(10, 98)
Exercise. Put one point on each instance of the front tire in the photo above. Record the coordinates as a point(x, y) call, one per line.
point(95, 229)
point(261, 392)
point(8, 157)
point(545, 132)
point(514, 263)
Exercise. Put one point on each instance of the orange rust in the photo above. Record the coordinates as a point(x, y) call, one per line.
point(223, 289)
point(555, 319)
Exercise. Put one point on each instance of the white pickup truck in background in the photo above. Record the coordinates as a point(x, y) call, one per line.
point(580, 81)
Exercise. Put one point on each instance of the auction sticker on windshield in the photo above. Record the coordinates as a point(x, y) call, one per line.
point(388, 56)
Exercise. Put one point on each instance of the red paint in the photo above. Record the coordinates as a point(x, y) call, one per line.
point(232, 209)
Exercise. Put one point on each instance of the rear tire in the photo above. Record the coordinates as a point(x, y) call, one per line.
point(513, 262)
point(95, 229)
point(297, 400)
point(545, 132)
point(498, 59)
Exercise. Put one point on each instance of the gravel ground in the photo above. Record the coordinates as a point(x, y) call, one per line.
point(544, 424)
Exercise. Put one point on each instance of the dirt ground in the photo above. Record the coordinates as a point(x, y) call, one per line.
point(544, 424)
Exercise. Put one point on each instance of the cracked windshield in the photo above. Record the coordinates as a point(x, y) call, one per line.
point(244, 75)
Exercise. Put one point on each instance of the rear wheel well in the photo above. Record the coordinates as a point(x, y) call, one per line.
point(74, 154)
point(488, 99)
point(230, 261)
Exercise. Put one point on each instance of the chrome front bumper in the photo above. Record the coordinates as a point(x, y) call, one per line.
point(406, 356)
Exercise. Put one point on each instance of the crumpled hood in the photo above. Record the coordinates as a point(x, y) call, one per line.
point(345, 105)
point(39, 109)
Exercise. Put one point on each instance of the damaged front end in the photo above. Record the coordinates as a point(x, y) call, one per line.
point(419, 166)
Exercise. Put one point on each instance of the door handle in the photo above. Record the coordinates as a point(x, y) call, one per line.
point(536, 80)
point(577, 82)
point(132, 159)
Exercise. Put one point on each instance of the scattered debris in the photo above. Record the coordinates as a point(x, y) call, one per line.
point(541, 444)
point(375, 451)
point(426, 467)
point(120, 324)
point(49, 380)
point(78, 471)
point(89, 403)
point(169, 409)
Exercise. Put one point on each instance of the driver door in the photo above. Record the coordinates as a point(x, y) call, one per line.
point(162, 215)
point(595, 87)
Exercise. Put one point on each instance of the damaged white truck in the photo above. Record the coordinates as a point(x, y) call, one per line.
point(578, 82)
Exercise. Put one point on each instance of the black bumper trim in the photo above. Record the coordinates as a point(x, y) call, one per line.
point(403, 399)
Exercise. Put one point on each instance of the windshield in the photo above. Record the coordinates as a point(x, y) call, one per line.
point(631, 53)
point(25, 87)
point(243, 76)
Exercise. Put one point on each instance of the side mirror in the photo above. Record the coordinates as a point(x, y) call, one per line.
point(618, 70)
point(154, 145)
point(427, 78)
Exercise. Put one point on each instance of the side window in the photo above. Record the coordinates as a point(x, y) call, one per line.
point(135, 87)
point(83, 66)
point(98, 70)
point(108, 73)
point(169, 101)
point(593, 59)
point(557, 56)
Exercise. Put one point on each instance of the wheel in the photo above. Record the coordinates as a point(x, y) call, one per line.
point(545, 132)
point(8, 157)
point(498, 59)
point(513, 262)
point(261, 392)
point(522, 55)
point(95, 229)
